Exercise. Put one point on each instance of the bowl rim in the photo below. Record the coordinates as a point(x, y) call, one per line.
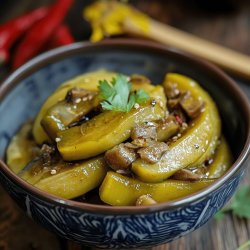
point(75, 48)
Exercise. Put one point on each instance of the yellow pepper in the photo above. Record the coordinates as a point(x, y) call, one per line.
point(22, 149)
point(221, 161)
point(74, 181)
point(89, 81)
point(119, 190)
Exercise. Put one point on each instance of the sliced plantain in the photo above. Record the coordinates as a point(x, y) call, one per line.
point(107, 129)
point(196, 144)
point(87, 81)
point(119, 190)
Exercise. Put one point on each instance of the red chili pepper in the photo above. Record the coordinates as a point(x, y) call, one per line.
point(61, 37)
point(178, 119)
point(12, 30)
point(41, 32)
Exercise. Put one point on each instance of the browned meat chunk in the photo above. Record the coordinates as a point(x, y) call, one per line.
point(173, 103)
point(47, 154)
point(131, 145)
point(120, 157)
point(191, 106)
point(167, 128)
point(142, 142)
point(186, 175)
point(153, 152)
point(146, 131)
point(143, 134)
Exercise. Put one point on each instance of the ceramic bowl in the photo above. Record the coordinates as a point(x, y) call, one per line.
point(24, 91)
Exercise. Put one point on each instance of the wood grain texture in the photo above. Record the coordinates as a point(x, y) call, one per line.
point(228, 26)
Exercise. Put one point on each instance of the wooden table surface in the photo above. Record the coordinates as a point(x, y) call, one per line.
point(227, 24)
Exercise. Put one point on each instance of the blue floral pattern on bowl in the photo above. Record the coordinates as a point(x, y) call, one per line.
point(121, 231)
point(101, 229)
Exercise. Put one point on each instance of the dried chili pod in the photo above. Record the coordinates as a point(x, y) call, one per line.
point(12, 30)
point(41, 32)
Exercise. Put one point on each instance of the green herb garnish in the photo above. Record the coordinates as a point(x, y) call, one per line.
point(116, 94)
point(239, 206)
point(244, 246)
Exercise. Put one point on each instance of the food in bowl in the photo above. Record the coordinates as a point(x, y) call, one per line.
point(133, 142)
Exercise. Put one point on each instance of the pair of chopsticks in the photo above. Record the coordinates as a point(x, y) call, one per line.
point(109, 17)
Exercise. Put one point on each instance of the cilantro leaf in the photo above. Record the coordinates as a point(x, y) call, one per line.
point(131, 102)
point(219, 215)
point(107, 106)
point(106, 91)
point(244, 246)
point(116, 94)
point(122, 88)
point(141, 96)
point(240, 204)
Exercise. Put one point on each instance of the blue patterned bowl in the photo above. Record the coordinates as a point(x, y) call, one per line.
point(25, 90)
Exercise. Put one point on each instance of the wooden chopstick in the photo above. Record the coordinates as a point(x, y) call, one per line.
point(230, 60)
